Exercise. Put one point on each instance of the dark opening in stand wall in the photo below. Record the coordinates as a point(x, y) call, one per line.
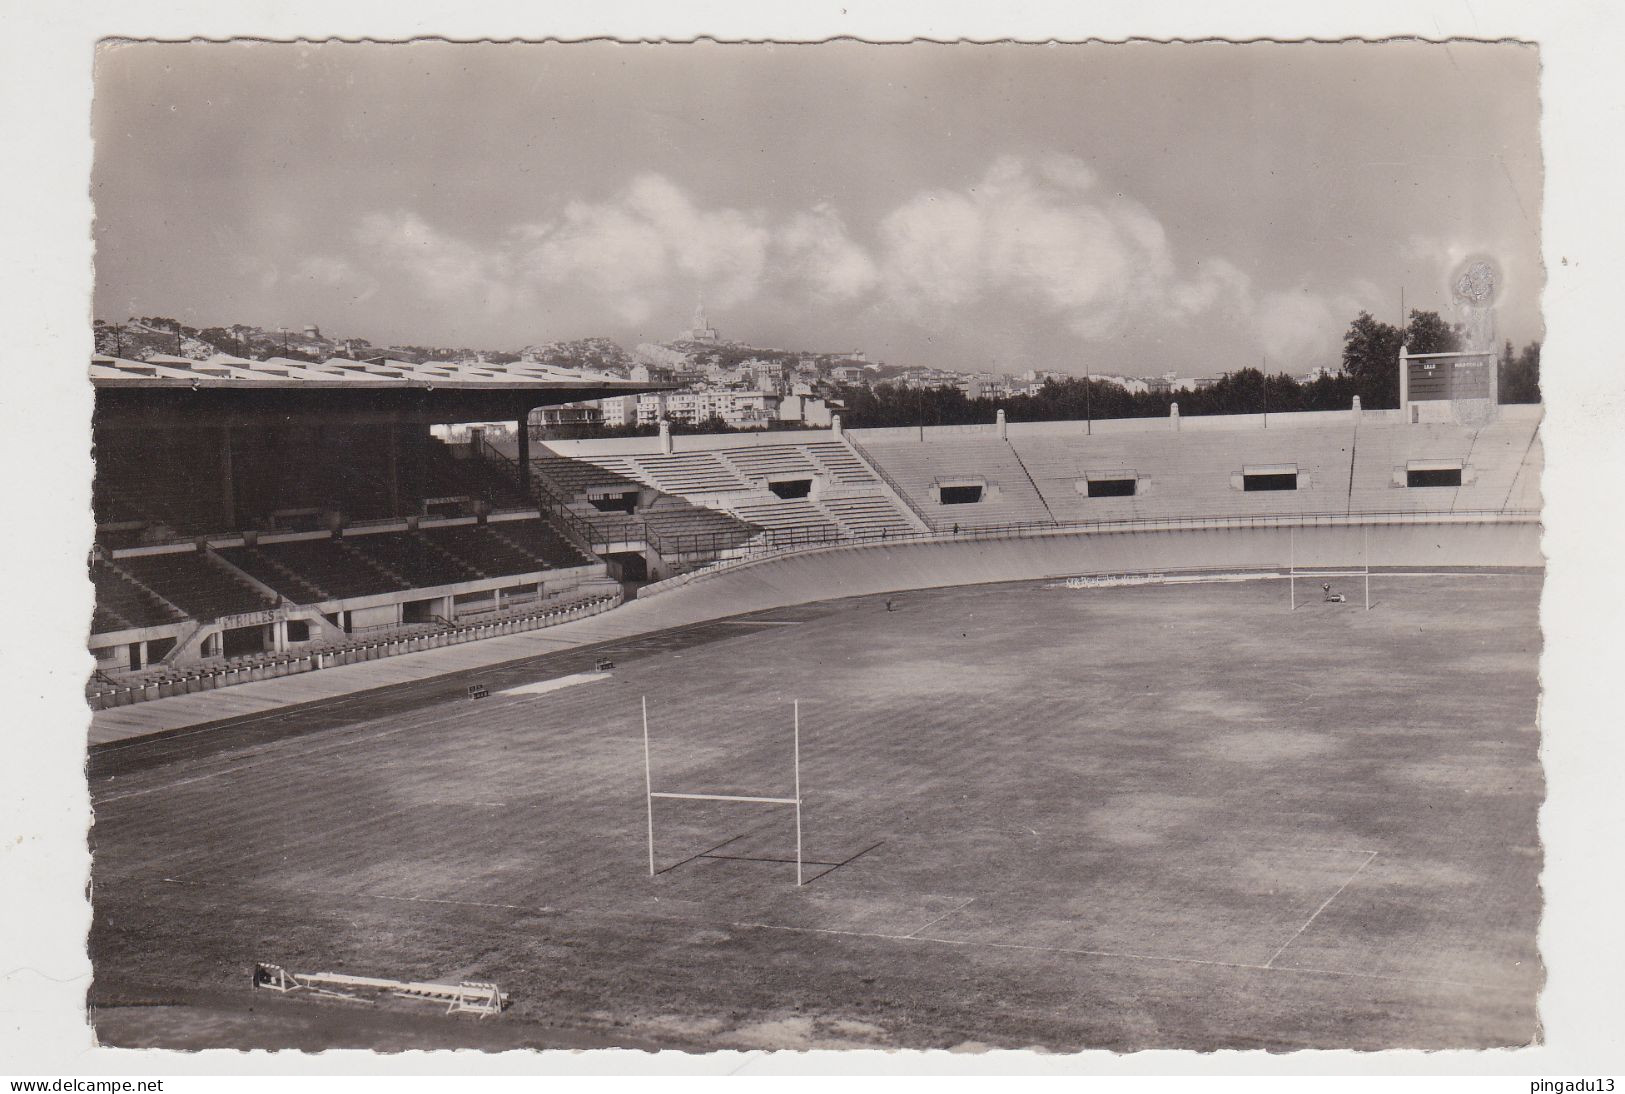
point(961, 495)
point(1433, 476)
point(1272, 480)
point(1112, 488)
point(616, 503)
point(791, 488)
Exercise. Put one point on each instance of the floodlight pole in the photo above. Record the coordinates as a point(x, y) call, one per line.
point(648, 786)
point(1292, 566)
point(795, 707)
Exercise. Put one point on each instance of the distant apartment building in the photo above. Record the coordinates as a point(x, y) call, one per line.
point(570, 414)
point(739, 408)
point(809, 412)
point(619, 411)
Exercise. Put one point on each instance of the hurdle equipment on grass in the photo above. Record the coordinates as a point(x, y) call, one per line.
point(1293, 573)
point(471, 996)
point(651, 793)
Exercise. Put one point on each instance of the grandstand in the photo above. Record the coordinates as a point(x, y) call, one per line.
point(248, 508)
point(1065, 473)
point(794, 487)
point(239, 513)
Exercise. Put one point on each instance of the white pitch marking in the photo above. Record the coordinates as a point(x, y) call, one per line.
point(1115, 954)
point(1322, 908)
point(941, 917)
point(542, 687)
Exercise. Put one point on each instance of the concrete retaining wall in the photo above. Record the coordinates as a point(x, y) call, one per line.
point(857, 571)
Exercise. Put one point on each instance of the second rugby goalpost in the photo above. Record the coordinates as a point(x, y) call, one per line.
point(651, 793)
point(1292, 568)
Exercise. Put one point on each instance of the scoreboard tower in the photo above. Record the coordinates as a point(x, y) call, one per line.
point(1461, 387)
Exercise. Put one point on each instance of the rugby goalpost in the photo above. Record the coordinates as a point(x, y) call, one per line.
point(650, 793)
point(1292, 568)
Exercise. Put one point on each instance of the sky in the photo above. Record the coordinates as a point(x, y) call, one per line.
point(1125, 209)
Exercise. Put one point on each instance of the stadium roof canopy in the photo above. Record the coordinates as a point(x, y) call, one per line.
point(435, 391)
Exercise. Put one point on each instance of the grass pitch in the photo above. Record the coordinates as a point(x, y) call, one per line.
point(1147, 817)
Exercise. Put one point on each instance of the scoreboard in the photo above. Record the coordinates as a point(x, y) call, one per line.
point(1449, 377)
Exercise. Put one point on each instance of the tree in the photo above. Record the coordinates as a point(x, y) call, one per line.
point(1371, 353)
point(1371, 357)
point(1520, 376)
point(1427, 333)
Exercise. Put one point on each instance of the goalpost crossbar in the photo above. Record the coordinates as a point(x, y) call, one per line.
point(725, 798)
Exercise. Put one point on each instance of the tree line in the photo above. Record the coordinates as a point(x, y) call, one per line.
point(1370, 369)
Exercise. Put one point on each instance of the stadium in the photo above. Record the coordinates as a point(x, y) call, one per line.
point(1206, 733)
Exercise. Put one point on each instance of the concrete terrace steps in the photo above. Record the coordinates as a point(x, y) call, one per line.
point(867, 516)
point(689, 473)
point(328, 564)
point(796, 517)
point(575, 476)
point(412, 558)
point(763, 461)
point(285, 581)
point(127, 601)
point(1503, 467)
point(196, 584)
point(1190, 473)
point(840, 463)
point(917, 466)
point(485, 549)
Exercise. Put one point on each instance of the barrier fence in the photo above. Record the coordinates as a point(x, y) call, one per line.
point(771, 545)
point(272, 666)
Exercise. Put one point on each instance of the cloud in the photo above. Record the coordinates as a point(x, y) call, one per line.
point(1039, 240)
point(441, 266)
point(814, 249)
point(1300, 327)
point(1036, 235)
point(333, 272)
point(645, 244)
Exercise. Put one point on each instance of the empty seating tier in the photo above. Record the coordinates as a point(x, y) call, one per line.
point(868, 516)
point(265, 568)
point(413, 558)
point(327, 564)
point(540, 540)
point(121, 604)
point(673, 520)
point(770, 460)
point(447, 476)
point(1191, 473)
point(572, 477)
point(920, 467)
point(840, 463)
point(792, 519)
point(196, 584)
point(688, 473)
point(484, 549)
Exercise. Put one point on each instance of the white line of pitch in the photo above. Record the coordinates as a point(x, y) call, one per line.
point(1122, 956)
point(1324, 905)
point(941, 917)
